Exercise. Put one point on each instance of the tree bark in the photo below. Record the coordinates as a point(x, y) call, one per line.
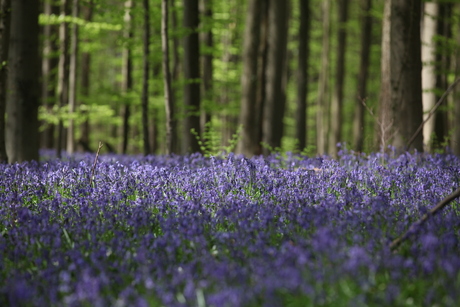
point(127, 68)
point(5, 19)
point(50, 62)
point(206, 39)
point(23, 94)
point(302, 73)
point(85, 81)
point(63, 73)
point(428, 71)
point(335, 135)
point(366, 42)
point(275, 95)
point(145, 78)
point(400, 96)
point(169, 102)
point(248, 142)
point(73, 79)
point(322, 102)
point(192, 77)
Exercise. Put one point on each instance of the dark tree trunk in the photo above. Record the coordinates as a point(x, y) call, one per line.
point(191, 75)
point(127, 68)
point(63, 73)
point(23, 94)
point(169, 102)
point(401, 94)
point(145, 78)
point(5, 18)
point(85, 80)
point(206, 39)
point(335, 135)
point(50, 64)
point(366, 42)
point(275, 95)
point(248, 142)
point(302, 73)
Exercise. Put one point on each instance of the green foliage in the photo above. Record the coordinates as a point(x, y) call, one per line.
point(211, 141)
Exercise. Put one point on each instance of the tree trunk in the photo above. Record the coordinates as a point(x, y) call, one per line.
point(127, 68)
point(169, 102)
point(248, 142)
point(366, 41)
point(22, 137)
point(206, 39)
point(63, 73)
point(322, 104)
point(145, 78)
point(50, 62)
point(335, 135)
point(85, 82)
point(428, 71)
point(192, 76)
point(5, 18)
point(73, 79)
point(444, 30)
point(275, 96)
point(455, 142)
point(401, 96)
point(302, 72)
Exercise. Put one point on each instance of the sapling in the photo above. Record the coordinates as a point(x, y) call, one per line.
point(91, 179)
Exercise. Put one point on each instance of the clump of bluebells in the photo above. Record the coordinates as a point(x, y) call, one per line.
point(195, 231)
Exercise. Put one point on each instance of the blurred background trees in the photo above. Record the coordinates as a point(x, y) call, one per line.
point(295, 75)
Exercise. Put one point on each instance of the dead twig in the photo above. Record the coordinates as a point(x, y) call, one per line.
point(91, 179)
point(397, 242)
point(432, 111)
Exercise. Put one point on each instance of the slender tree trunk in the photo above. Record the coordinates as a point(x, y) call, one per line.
point(321, 127)
point(23, 94)
point(169, 102)
point(206, 39)
point(127, 68)
point(455, 142)
point(335, 135)
point(85, 83)
point(401, 96)
point(192, 76)
point(276, 67)
point(145, 78)
point(50, 64)
point(5, 18)
point(428, 71)
point(444, 29)
point(248, 142)
point(63, 72)
point(302, 73)
point(366, 41)
point(73, 79)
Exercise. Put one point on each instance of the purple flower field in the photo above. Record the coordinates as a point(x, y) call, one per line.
point(195, 231)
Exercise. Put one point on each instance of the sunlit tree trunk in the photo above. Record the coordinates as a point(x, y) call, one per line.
point(127, 82)
point(145, 78)
point(335, 135)
point(50, 62)
point(302, 73)
point(73, 79)
point(366, 41)
point(63, 73)
point(192, 77)
point(23, 94)
point(275, 95)
point(323, 101)
point(428, 70)
point(248, 142)
point(5, 14)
